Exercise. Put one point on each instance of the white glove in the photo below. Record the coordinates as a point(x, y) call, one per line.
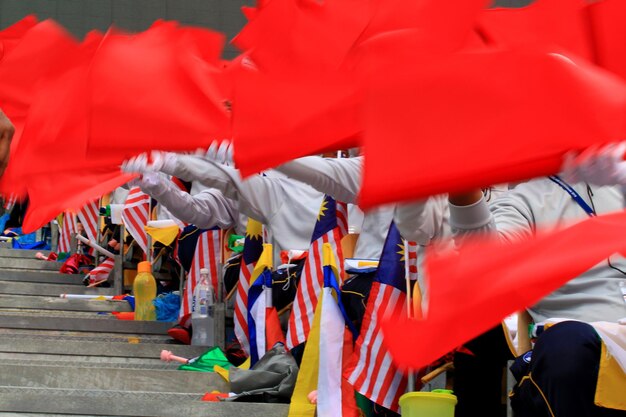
point(220, 152)
point(151, 182)
point(158, 161)
point(597, 166)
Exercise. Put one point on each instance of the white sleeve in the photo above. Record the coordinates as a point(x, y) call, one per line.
point(258, 197)
point(509, 215)
point(339, 178)
point(423, 221)
point(207, 209)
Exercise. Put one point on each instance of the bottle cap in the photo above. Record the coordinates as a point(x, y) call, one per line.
point(144, 266)
point(204, 271)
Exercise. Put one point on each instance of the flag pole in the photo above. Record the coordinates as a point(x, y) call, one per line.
point(407, 279)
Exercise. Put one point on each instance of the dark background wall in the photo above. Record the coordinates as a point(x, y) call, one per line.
point(80, 16)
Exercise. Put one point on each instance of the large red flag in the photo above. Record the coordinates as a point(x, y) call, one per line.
point(535, 23)
point(607, 19)
point(478, 118)
point(153, 90)
point(511, 278)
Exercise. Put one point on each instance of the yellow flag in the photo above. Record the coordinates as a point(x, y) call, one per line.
point(307, 376)
point(165, 235)
point(265, 261)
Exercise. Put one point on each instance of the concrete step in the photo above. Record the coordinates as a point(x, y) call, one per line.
point(119, 403)
point(58, 303)
point(47, 336)
point(29, 288)
point(143, 348)
point(68, 361)
point(21, 253)
point(24, 263)
point(44, 277)
point(104, 379)
point(77, 323)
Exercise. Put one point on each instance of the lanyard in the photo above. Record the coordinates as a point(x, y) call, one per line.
point(575, 196)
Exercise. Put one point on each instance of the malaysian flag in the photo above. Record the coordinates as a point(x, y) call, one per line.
point(326, 355)
point(102, 271)
point(135, 216)
point(263, 325)
point(252, 248)
point(373, 373)
point(331, 227)
point(68, 229)
point(206, 255)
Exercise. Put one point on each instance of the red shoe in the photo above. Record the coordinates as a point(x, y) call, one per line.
point(181, 334)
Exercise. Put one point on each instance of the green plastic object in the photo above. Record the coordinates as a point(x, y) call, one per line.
point(431, 404)
point(235, 243)
point(206, 361)
point(443, 391)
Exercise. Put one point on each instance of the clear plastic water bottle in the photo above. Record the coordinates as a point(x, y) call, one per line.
point(202, 312)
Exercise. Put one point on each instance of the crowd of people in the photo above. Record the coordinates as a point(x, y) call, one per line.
point(563, 375)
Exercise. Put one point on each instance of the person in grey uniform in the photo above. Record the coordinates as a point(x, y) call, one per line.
point(340, 178)
point(559, 378)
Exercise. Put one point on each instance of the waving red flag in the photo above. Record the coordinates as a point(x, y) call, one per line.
point(607, 19)
point(153, 91)
point(535, 23)
point(11, 36)
point(511, 278)
point(480, 118)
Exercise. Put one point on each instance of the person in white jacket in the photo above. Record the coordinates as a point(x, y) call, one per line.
point(288, 208)
point(560, 376)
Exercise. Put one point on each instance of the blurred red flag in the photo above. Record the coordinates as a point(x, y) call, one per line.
point(513, 277)
point(535, 23)
point(479, 118)
point(154, 90)
point(50, 160)
point(608, 19)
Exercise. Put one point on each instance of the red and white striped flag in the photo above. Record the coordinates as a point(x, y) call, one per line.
point(207, 255)
point(331, 227)
point(68, 229)
point(373, 373)
point(102, 271)
point(412, 260)
point(89, 216)
point(135, 216)
point(252, 249)
point(9, 202)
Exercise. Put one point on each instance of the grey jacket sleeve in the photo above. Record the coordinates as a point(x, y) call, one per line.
point(339, 178)
point(423, 221)
point(207, 209)
point(258, 197)
point(509, 216)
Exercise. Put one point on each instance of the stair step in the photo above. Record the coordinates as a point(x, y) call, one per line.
point(119, 403)
point(90, 378)
point(25, 263)
point(99, 337)
point(64, 346)
point(21, 253)
point(96, 323)
point(58, 303)
point(44, 277)
point(28, 288)
point(68, 361)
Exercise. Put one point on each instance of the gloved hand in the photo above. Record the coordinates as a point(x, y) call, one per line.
point(158, 161)
point(220, 152)
point(151, 182)
point(597, 166)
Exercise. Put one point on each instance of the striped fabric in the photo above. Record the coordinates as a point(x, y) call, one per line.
point(9, 202)
point(89, 217)
point(373, 373)
point(252, 249)
point(68, 228)
point(412, 261)
point(207, 255)
point(135, 216)
point(330, 228)
point(102, 271)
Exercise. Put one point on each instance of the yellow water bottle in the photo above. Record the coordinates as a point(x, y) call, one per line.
point(144, 289)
